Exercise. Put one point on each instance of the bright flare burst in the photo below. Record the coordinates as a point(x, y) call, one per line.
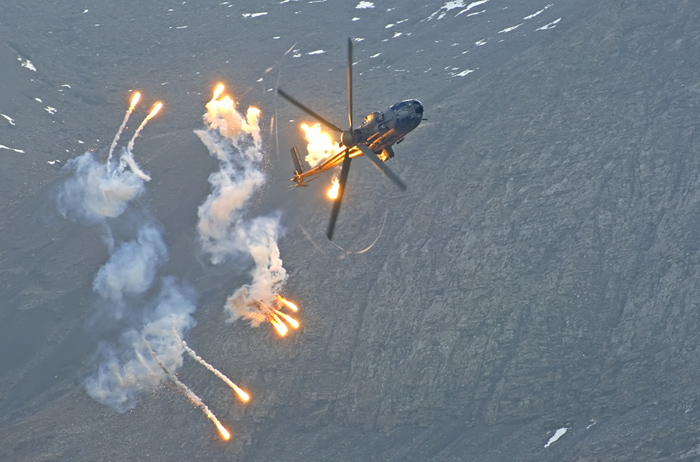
point(334, 189)
point(320, 146)
point(277, 317)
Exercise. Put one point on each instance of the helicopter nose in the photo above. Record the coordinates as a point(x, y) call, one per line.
point(418, 107)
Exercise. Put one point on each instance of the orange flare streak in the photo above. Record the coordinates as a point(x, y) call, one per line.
point(292, 322)
point(224, 433)
point(289, 304)
point(157, 107)
point(135, 100)
point(241, 394)
point(279, 325)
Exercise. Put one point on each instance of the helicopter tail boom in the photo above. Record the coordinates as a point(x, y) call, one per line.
point(298, 167)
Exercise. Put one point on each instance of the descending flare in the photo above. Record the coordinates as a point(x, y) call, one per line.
point(335, 187)
point(155, 110)
point(292, 322)
point(241, 394)
point(289, 304)
point(134, 100)
point(224, 433)
point(278, 324)
point(196, 400)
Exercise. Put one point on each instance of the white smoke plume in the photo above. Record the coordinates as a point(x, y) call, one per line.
point(225, 231)
point(131, 268)
point(92, 195)
point(131, 369)
point(100, 193)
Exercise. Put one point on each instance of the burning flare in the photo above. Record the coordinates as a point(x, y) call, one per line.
point(224, 433)
point(277, 317)
point(320, 146)
point(241, 394)
point(334, 189)
point(157, 107)
point(289, 304)
point(196, 400)
point(135, 100)
point(292, 322)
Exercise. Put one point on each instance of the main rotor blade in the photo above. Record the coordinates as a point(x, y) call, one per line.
point(350, 82)
point(313, 114)
point(341, 190)
point(380, 165)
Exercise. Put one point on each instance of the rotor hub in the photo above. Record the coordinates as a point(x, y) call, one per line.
point(347, 139)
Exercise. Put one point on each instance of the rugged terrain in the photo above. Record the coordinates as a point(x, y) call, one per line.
point(539, 274)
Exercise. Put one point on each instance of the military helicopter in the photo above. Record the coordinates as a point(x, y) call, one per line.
point(374, 139)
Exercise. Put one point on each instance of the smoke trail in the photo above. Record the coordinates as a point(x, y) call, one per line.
point(224, 230)
point(130, 369)
point(242, 394)
point(134, 101)
point(196, 400)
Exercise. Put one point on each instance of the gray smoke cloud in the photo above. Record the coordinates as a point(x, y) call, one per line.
point(224, 228)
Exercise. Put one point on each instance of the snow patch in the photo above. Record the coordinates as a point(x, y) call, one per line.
point(462, 74)
point(9, 119)
point(557, 434)
point(454, 4)
point(316, 52)
point(537, 13)
point(26, 64)
point(364, 5)
point(11, 149)
point(551, 25)
point(509, 29)
point(254, 15)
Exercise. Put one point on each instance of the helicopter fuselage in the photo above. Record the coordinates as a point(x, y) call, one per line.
point(379, 131)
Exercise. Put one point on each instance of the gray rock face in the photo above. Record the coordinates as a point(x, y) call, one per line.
point(539, 273)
